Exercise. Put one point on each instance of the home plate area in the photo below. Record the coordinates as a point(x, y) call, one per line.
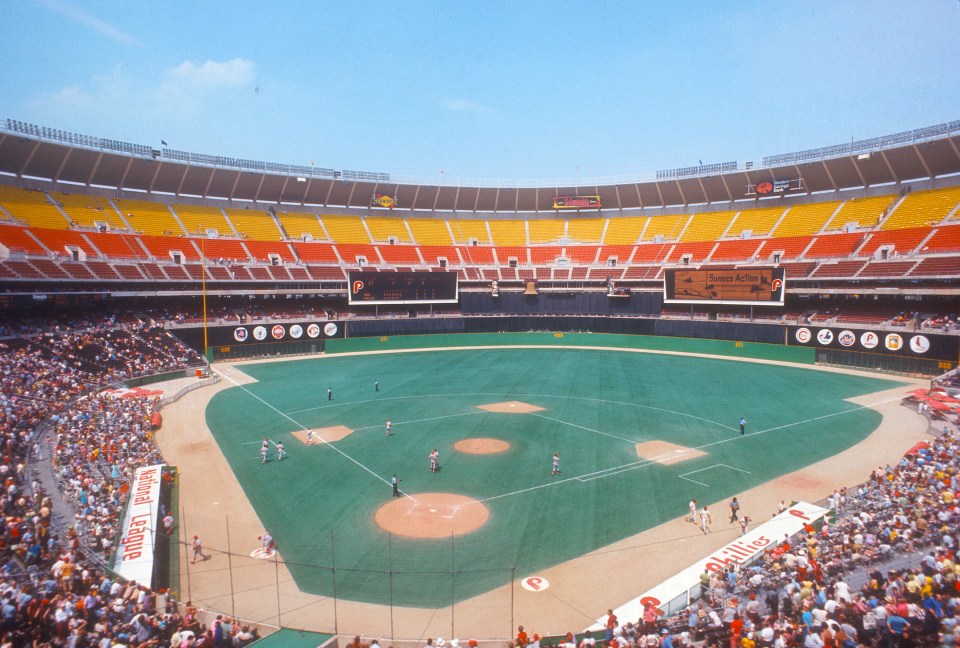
point(510, 407)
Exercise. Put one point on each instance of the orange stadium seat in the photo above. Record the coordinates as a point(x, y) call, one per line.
point(14, 237)
point(60, 241)
point(213, 249)
point(834, 245)
point(263, 251)
point(547, 254)
point(944, 239)
point(162, 247)
point(736, 250)
point(622, 253)
point(893, 269)
point(350, 253)
point(117, 246)
point(938, 266)
point(316, 252)
point(48, 268)
point(838, 269)
point(400, 254)
point(790, 247)
point(506, 252)
point(475, 255)
point(904, 241)
point(649, 253)
point(433, 253)
point(699, 251)
point(579, 254)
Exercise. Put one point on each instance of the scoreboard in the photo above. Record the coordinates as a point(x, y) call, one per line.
point(403, 288)
point(747, 286)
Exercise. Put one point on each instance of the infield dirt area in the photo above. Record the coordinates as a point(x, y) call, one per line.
point(510, 407)
point(432, 515)
point(324, 434)
point(666, 453)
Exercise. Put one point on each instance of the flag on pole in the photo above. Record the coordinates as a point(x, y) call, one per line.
point(164, 142)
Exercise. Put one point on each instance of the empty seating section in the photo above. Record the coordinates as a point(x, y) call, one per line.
point(474, 255)
point(667, 228)
point(89, 211)
point(904, 241)
point(216, 249)
point(578, 254)
point(865, 212)
point(545, 231)
point(352, 254)
point(621, 253)
point(736, 250)
point(806, 219)
point(867, 314)
point(199, 220)
point(102, 270)
point(255, 224)
point(298, 273)
point(265, 251)
point(708, 226)
point(759, 221)
point(326, 273)
point(18, 238)
point(624, 231)
point(176, 273)
point(298, 225)
point(129, 272)
point(548, 254)
point(24, 269)
point(697, 251)
point(400, 254)
point(887, 269)
point(49, 269)
point(839, 269)
point(798, 270)
point(508, 274)
point(648, 253)
point(508, 232)
point(430, 231)
point(383, 229)
point(61, 242)
point(117, 246)
point(942, 266)
point(506, 253)
point(32, 208)
point(834, 245)
point(259, 273)
point(432, 254)
point(162, 248)
point(944, 239)
point(345, 229)
point(465, 230)
point(924, 208)
point(149, 218)
point(278, 273)
point(78, 271)
point(219, 273)
point(641, 272)
point(790, 247)
point(315, 252)
point(585, 230)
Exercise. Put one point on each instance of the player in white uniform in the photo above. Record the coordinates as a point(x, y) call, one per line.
point(556, 464)
point(279, 451)
point(389, 424)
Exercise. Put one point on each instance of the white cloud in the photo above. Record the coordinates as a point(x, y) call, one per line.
point(463, 105)
point(190, 75)
point(78, 15)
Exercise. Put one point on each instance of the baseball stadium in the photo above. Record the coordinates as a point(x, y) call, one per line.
point(292, 405)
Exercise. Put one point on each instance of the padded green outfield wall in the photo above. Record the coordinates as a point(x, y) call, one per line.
point(729, 348)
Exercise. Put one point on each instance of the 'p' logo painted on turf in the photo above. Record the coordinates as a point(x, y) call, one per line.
point(534, 584)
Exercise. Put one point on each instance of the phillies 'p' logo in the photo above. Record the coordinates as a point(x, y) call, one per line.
point(776, 285)
point(357, 286)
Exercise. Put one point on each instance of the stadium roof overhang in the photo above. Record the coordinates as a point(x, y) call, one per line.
point(893, 160)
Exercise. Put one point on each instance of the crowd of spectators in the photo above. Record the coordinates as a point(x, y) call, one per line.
point(800, 593)
point(52, 589)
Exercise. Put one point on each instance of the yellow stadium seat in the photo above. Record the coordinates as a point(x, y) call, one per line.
point(32, 207)
point(296, 225)
point(585, 230)
point(508, 232)
point(150, 218)
point(430, 231)
point(668, 227)
point(758, 221)
point(255, 224)
point(865, 212)
point(345, 229)
point(87, 211)
point(383, 229)
point(464, 230)
point(707, 226)
point(805, 219)
point(545, 231)
point(200, 220)
point(924, 208)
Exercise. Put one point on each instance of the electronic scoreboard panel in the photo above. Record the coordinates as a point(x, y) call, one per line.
point(403, 288)
point(747, 286)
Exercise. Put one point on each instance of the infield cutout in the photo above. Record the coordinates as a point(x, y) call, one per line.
point(481, 446)
point(510, 407)
point(666, 453)
point(323, 435)
point(432, 515)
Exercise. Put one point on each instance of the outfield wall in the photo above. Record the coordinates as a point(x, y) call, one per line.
point(729, 348)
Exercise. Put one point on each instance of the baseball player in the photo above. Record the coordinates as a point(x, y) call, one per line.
point(389, 424)
point(556, 464)
point(434, 460)
point(309, 437)
point(264, 447)
point(279, 451)
point(705, 520)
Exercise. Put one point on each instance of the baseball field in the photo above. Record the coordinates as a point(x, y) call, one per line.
point(637, 435)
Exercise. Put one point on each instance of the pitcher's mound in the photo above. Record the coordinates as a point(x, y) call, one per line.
point(432, 515)
point(510, 407)
point(666, 453)
point(481, 446)
point(324, 435)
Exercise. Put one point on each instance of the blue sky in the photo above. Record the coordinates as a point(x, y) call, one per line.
point(507, 90)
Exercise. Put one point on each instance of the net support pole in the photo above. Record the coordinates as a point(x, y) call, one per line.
point(183, 527)
point(333, 574)
point(233, 603)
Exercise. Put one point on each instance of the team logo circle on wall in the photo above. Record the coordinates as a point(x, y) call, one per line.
point(296, 331)
point(260, 333)
point(277, 332)
point(869, 340)
point(824, 336)
point(802, 335)
point(313, 331)
point(919, 344)
point(893, 342)
point(240, 334)
point(330, 329)
point(847, 338)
